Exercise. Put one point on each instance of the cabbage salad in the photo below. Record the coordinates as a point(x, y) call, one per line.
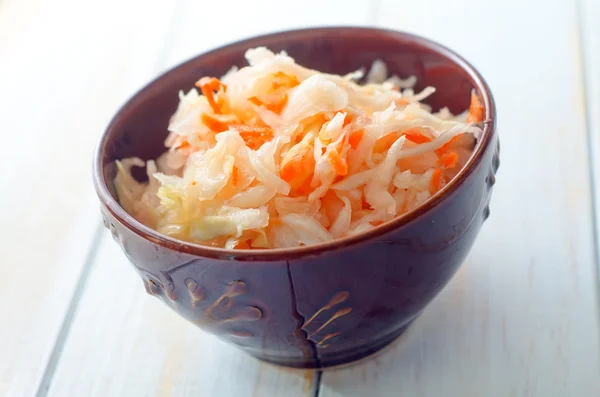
point(277, 155)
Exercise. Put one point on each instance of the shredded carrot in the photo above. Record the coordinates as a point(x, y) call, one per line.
point(275, 107)
point(242, 245)
point(415, 136)
point(385, 142)
point(208, 86)
point(476, 110)
point(183, 145)
point(449, 160)
point(436, 181)
point(281, 79)
point(278, 106)
point(355, 138)
point(347, 119)
point(214, 123)
point(317, 119)
point(447, 145)
point(234, 177)
point(338, 162)
point(365, 204)
point(255, 101)
point(299, 168)
point(254, 136)
point(305, 188)
point(275, 221)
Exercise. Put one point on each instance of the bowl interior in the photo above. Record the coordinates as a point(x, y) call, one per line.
point(140, 128)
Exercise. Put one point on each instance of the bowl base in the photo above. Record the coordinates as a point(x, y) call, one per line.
point(341, 359)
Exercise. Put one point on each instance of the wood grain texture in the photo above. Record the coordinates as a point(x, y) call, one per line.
point(521, 317)
point(125, 343)
point(66, 65)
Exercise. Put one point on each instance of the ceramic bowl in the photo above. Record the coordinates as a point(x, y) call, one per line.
point(321, 305)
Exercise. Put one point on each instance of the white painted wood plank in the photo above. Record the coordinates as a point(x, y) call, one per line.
point(65, 66)
point(521, 317)
point(125, 343)
point(590, 30)
point(202, 26)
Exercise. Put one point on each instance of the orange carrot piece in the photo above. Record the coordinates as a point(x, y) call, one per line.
point(214, 123)
point(275, 107)
point(365, 204)
point(436, 181)
point(347, 119)
point(355, 138)
point(449, 160)
point(255, 101)
point(305, 189)
point(281, 79)
point(208, 86)
point(476, 110)
point(338, 162)
point(234, 177)
point(385, 142)
point(447, 145)
point(242, 245)
point(278, 106)
point(254, 136)
point(299, 168)
point(183, 145)
point(415, 136)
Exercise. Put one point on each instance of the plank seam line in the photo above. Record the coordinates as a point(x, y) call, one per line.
point(65, 328)
point(319, 376)
point(590, 148)
point(45, 383)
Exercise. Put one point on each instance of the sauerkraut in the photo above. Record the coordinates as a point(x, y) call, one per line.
point(276, 155)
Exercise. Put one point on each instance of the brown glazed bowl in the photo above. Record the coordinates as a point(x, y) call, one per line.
point(321, 305)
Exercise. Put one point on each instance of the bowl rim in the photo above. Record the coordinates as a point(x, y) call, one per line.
point(279, 254)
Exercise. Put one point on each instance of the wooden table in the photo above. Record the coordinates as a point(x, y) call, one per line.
point(519, 319)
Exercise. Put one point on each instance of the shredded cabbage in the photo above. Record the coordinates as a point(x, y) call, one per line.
point(276, 155)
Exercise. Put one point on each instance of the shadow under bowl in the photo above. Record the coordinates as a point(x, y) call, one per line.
point(322, 305)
